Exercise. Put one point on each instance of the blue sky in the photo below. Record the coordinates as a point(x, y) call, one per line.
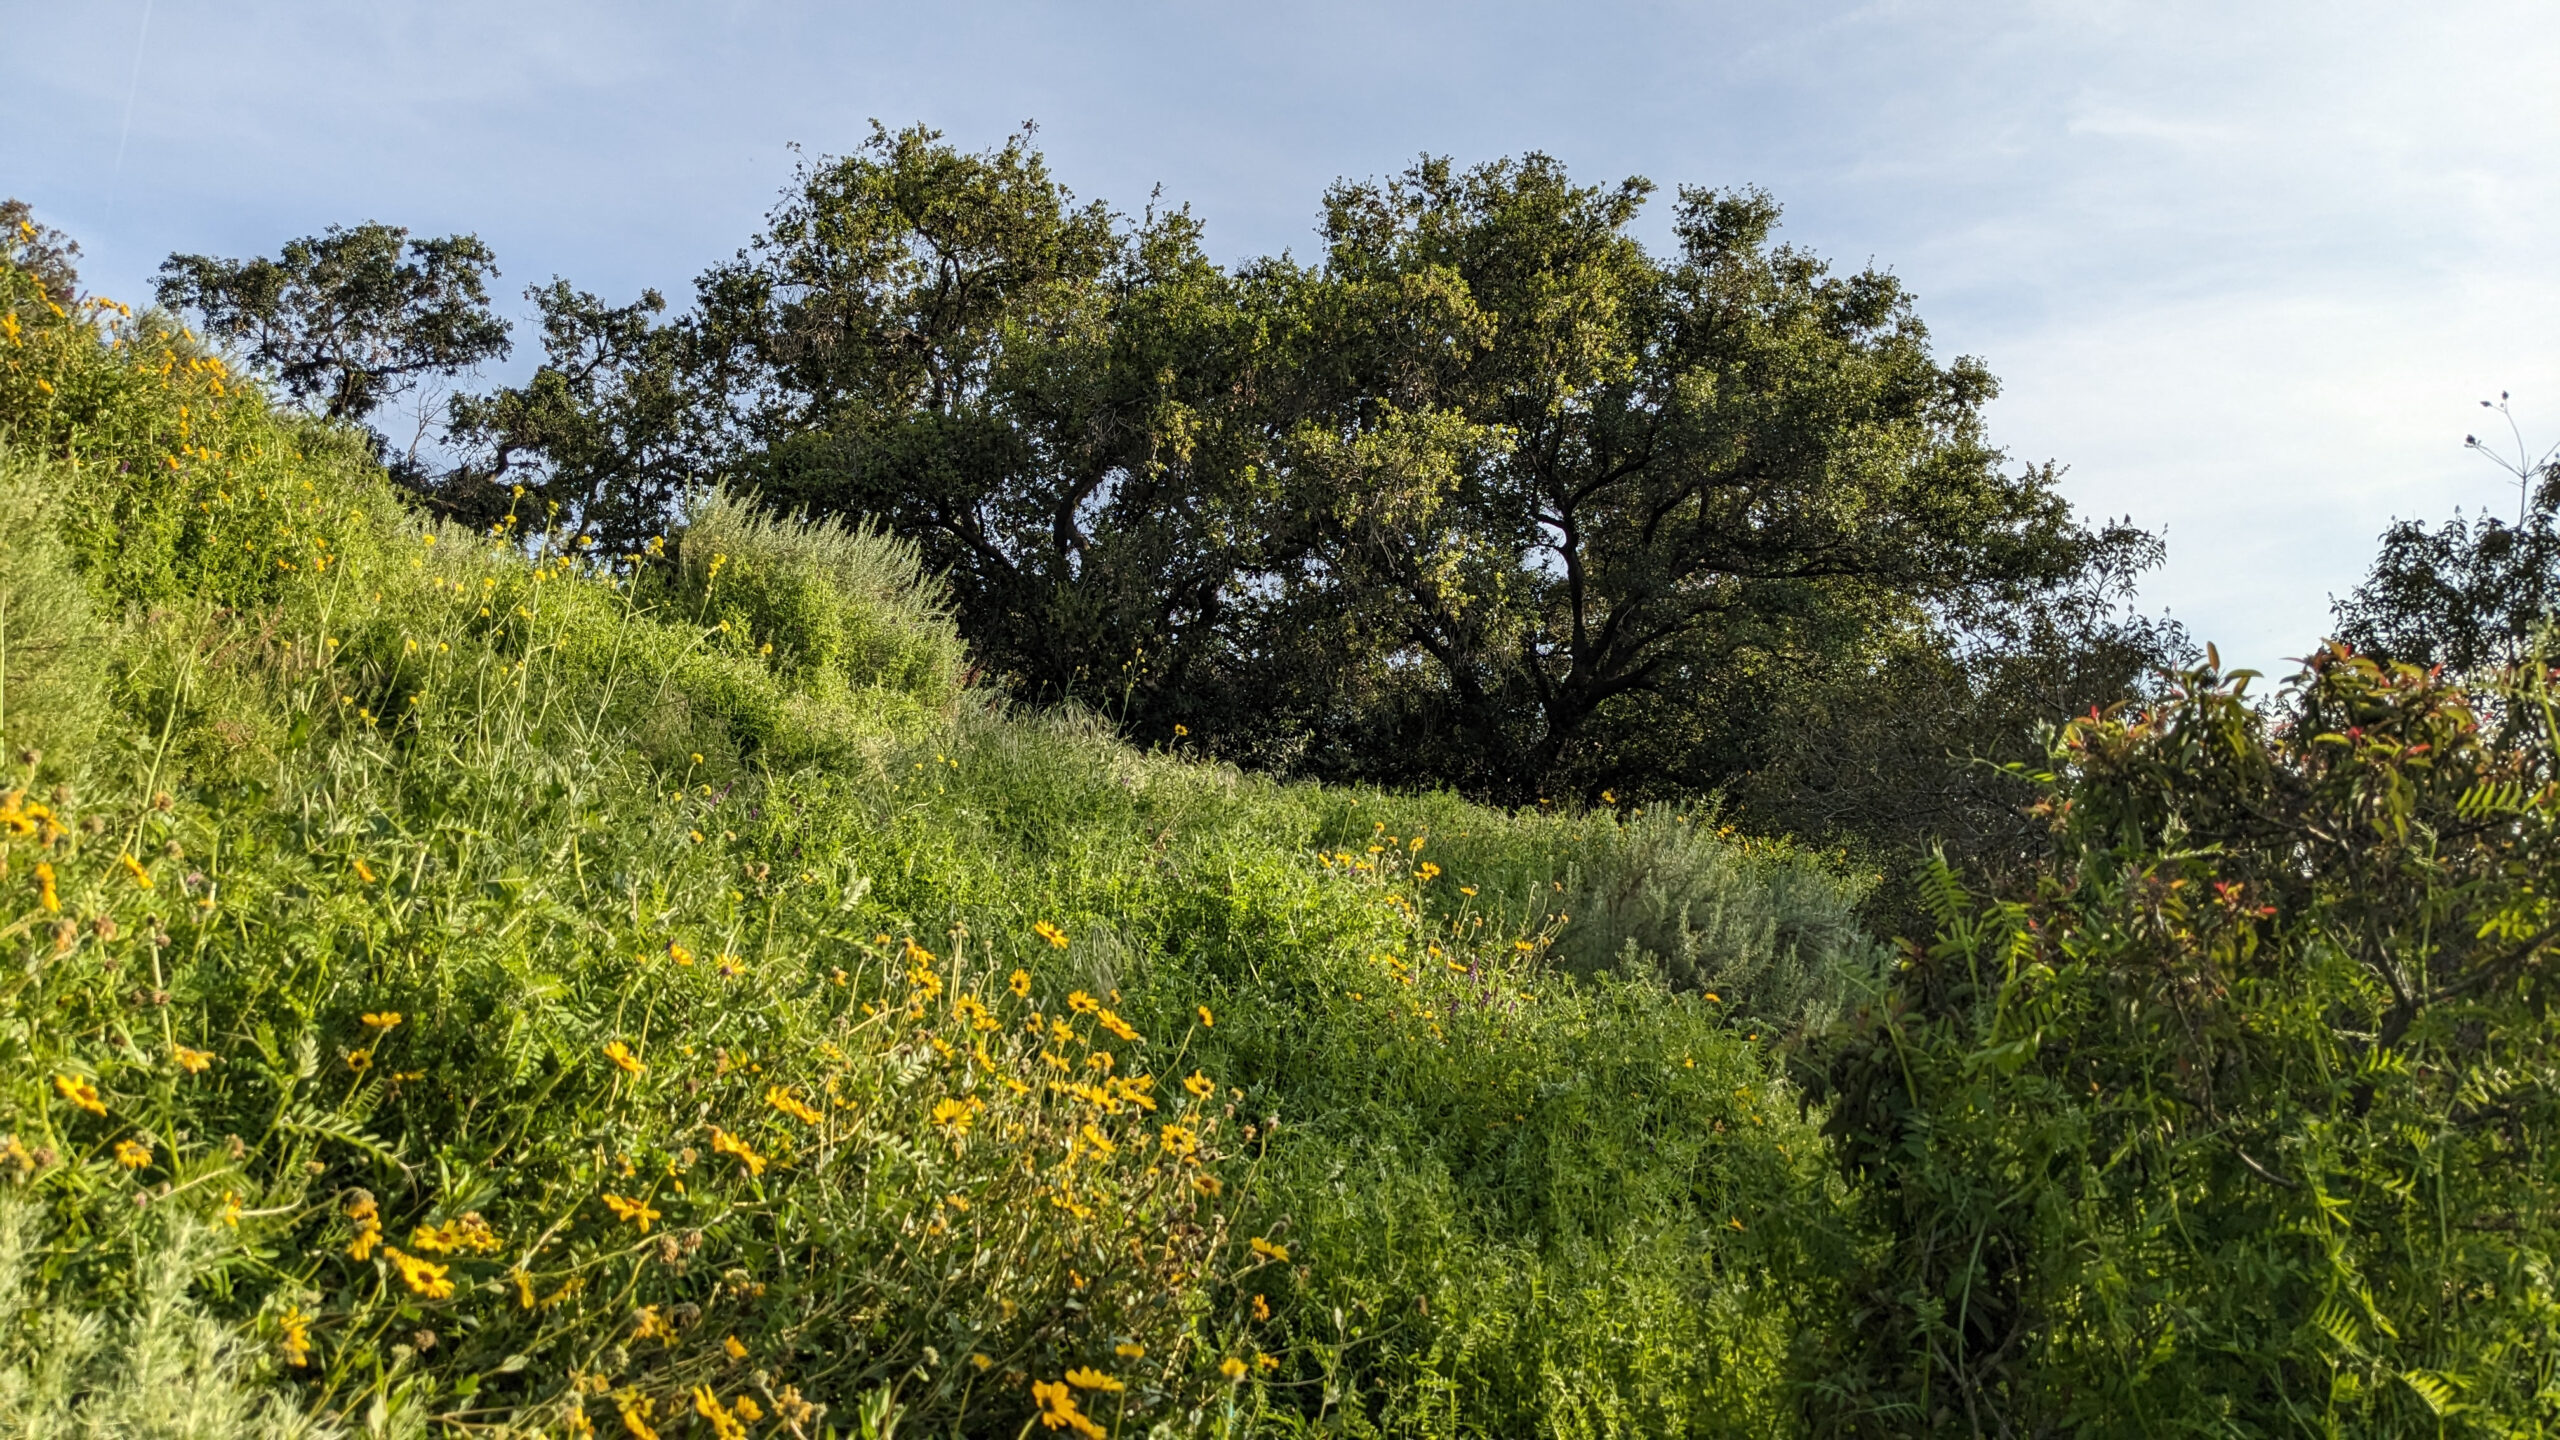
point(2245, 269)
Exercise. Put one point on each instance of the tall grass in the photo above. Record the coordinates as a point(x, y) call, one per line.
point(649, 993)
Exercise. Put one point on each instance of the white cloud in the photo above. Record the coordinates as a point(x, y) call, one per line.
point(2244, 268)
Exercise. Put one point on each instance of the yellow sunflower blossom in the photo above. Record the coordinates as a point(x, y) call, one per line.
point(468, 1232)
point(727, 1144)
point(723, 1424)
point(132, 1154)
point(1088, 1378)
point(1209, 1185)
point(423, 1276)
point(1233, 1369)
point(956, 1115)
point(1269, 1251)
point(624, 1060)
point(1081, 1003)
point(79, 1092)
point(781, 1098)
point(734, 1350)
point(1207, 1020)
point(1020, 984)
point(1050, 933)
point(368, 1222)
point(141, 874)
point(385, 1020)
point(191, 1061)
point(1116, 1025)
point(45, 893)
point(294, 1337)
point(636, 1410)
point(1180, 1141)
point(1058, 1410)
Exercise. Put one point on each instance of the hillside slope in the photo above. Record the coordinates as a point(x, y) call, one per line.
point(464, 981)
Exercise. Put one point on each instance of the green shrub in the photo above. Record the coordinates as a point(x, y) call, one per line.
point(2241, 1122)
point(127, 1351)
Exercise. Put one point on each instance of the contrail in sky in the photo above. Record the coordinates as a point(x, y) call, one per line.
point(133, 87)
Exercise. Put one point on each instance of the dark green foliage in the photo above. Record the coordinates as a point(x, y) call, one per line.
point(2241, 1122)
point(606, 439)
point(342, 320)
point(1487, 497)
point(2471, 595)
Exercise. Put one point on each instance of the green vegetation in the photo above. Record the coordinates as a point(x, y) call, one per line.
point(570, 944)
point(537, 990)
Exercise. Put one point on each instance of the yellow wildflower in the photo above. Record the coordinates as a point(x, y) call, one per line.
point(1088, 1378)
point(1050, 933)
point(1269, 1251)
point(1261, 1308)
point(132, 1154)
point(1058, 1410)
point(728, 1144)
point(736, 1350)
point(359, 1060)
point(45, 895)
point(723, 1424)
point(1207, 1019)
point(620, 1054)
point(79, 1092)
point(1099, 1141)
point(469, 1232)
point(141, 875)
point(1232, 1368)
point(191, 1061)
point(1129, 1350)
point(1116, 1025)
point(383, 1020)
point(636, 1410)
point(230, 1213)
point(1267, 1362)
point(368, 1219)
point(1081, 1003)
point(295, 1339)
point(1021, 983)
point(424, 1276)
point(1209, 1185)
point(955, 1115)
point(364, 872)
point(781, 1098)
point(1200, 1085)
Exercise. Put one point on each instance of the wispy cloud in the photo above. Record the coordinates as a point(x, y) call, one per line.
point(2244, 268)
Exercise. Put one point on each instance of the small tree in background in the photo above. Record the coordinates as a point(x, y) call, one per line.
point(348, 321)
point(2468, 595)
point(607, 437)
point(52, 257)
